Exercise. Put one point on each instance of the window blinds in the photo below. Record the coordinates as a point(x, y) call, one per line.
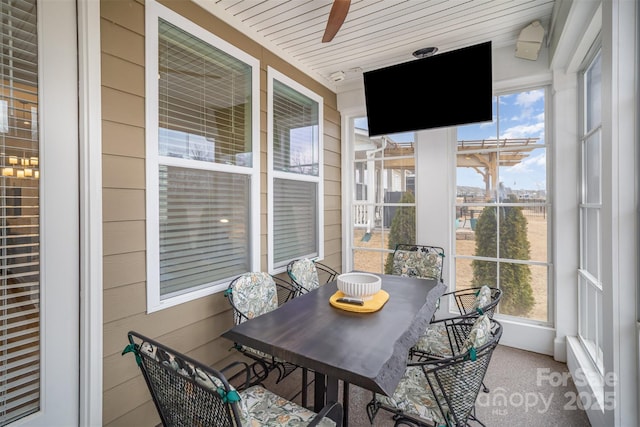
point(204, 228)
point(295, 131)
point(295, 220)
point(296, 165)
point(19, 212)
point(204, 100)
point(204, 117)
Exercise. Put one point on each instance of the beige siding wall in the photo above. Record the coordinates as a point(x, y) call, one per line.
point(194, 327)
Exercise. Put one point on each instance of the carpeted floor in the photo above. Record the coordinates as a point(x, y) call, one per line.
point(525, 389)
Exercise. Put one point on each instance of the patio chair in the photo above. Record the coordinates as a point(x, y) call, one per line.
point(188, 393)
point(250, 295)
point(475, 301)
point(441, 339)
point(307, 274)
point(472, 302)
point(418, 261)
point(443, 391)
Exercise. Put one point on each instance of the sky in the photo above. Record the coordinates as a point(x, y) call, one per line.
point(518, 115)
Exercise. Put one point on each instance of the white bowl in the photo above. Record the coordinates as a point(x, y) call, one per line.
point(359, 285)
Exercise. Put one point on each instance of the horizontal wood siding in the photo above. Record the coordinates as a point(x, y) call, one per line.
point(195, 327)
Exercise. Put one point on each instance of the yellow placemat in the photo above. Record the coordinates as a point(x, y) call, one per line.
point(374, 304)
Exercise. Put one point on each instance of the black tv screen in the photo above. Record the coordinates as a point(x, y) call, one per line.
point(446, 89)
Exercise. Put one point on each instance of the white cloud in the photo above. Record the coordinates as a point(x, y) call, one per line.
point(526, 99)
point(530, 164)
point(534, 130)
point(527, 174)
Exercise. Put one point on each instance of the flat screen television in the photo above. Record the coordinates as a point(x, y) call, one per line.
point(446, 89)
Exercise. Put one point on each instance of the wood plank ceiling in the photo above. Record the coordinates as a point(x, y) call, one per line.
point(376, 33)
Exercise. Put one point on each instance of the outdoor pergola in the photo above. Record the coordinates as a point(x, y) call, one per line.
point(486, 156)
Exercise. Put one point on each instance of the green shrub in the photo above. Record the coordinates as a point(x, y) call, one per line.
point(403, 228)
point(515, 279)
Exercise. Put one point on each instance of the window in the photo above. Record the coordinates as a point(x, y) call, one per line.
point(202, 167)
point(20, 212)
point(502, 209)
point(295, 172)
point(383, 202)
point(589, 275)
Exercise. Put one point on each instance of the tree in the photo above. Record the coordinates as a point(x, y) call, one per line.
point(403, 228)
point(515, 279)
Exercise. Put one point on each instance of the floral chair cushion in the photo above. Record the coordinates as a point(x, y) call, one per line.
point(186, 369)
point(435, 341)
point(255, 294)
point(420, 263)
point(480, 333)
point(482, 299)
point(304, 273)
point(257, 406)
point(414, 397)
point(260, 407)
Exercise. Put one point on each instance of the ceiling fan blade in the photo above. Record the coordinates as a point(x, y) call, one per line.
point(337, 15)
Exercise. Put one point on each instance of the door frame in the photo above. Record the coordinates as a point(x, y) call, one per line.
point(59, 215)
point(90, 175)
point(72, 28)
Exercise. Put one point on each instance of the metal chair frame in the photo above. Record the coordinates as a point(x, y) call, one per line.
point(464, 299)
point(404, 247)
point(262, 366)
point(323, 270)
point(466, 370)
point(187, 392)
point(301, 289)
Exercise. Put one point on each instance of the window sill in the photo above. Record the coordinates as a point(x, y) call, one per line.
point(588, 381)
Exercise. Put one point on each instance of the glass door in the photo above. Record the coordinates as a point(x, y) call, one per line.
point(38, 214)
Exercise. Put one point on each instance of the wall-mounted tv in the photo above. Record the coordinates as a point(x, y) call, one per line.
point(446, 89)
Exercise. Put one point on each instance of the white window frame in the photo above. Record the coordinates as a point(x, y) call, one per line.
point(548, 207)
point(154, 11)
point(273, 74)
point(587, 281)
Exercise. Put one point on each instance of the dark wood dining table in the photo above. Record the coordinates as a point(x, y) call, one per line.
point(369, 350)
